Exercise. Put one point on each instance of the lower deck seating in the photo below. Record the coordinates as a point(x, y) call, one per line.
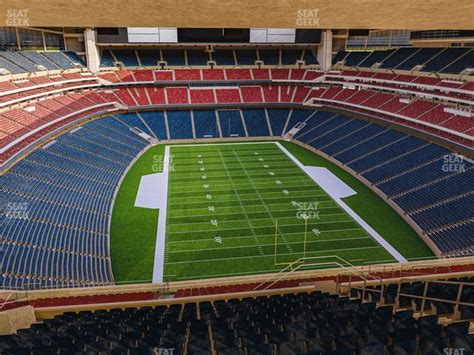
point(231, 123)
point(256, 122)
point(179, 124)
point(58, 201)
point(155, 121)
point(405, 168)
point(431, 184)
point(205, 123)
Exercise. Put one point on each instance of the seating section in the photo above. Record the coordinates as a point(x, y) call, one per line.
point(19, 122)
point(180, 125)
point(174, 57)
point(447, 90)
point(127, 57)
point(30, 61)
point(205, 124)
point(445, 60)
point(395, 109)
point(428, 182)
point(278, 120)
point(155, 121)
point(404, 168)
point(302, 323)
point(231, 123)
point(22, 126)
point(256, 122)
point(201, 57)
point(58, 201)
point(224, 57)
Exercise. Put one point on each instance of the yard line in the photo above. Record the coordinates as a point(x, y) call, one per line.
point(216, 163)
point(285, 225)
point(271, 244)
point(268, 199)
point(271, 256)
point(288, 247)
point(260, 271)
point(253, 219)
point(269, 235)
point(270, 180)
point(249, 223)
point(256, 208)
point(268, 187)
point(236, 213)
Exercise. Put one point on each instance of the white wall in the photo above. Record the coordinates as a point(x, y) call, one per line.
point(152, 34)
point(272, 35)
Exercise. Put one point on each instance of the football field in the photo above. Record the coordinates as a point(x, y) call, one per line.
point(241, 209)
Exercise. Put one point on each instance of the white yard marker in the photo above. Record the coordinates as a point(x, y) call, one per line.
point(278, 182)
point(286, 192)
point(211, 208)
point(265, 166)
point(261, 159)
point(204, 177)
point(214, 222)
point(206, 186)
point(202, 169)
point(271, 173)
point(218, 240)
point(209, 196)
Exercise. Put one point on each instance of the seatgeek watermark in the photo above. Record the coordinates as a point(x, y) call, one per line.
point(307, 18)
point(160, 161)
point(17, 17)
point(16, 210)
point(454, 351)
point(454, 163)
point(306, 210)
point(163, 351)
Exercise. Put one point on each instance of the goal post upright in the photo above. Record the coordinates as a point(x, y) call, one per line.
point(276, 241)
point(305, 238)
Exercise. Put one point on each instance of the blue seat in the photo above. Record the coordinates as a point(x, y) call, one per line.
point(231, 123)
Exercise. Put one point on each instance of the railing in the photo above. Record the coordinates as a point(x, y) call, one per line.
point(12, 298)
point(288, 271)
point(372, 288)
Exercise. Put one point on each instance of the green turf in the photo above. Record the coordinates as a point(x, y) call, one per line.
point(246, 203)
point(223, 205)
point(373, 209)
point(133, 229)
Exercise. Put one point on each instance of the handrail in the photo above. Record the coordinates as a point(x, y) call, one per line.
point(300, 263)
point(424, 298)
point(6, 300)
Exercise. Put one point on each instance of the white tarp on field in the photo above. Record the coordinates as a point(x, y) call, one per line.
point(329, 182)
point(150, 194)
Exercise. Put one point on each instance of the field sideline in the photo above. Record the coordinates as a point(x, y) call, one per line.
point(228, 226)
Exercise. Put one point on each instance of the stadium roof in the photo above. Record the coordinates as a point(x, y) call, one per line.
point(333, 14)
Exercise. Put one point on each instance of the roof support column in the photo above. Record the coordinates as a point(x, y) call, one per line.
point(325, 50)
point(92, 52)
